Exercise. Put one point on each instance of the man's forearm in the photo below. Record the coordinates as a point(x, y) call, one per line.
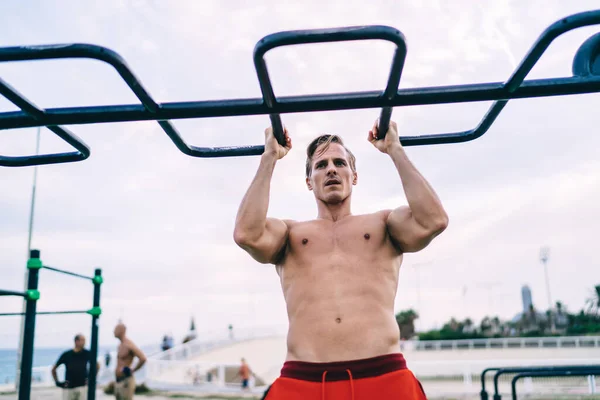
point(139, 365)
point(424, 203)
point(252, 214)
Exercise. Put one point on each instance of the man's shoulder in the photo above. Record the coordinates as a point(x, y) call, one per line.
point(382, 213)
point(66, 354)
point(289, 222)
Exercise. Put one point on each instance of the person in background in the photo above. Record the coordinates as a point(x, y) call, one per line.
point(245, 372)
point(76, 362)
point(124, 374)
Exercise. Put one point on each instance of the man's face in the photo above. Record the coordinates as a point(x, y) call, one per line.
point(80, 342)
point(118, 332)
point(332, 178)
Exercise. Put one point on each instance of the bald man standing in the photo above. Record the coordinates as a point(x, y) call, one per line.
point(127, 351)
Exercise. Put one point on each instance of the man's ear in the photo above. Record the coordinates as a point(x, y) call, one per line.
point(354, 178)
point(308, 184)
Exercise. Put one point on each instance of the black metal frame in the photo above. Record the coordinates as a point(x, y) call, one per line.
point(31, 296)
point(592, 370)
point(585, 68)
point(566, 369)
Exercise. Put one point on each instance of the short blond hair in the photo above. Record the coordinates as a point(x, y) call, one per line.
point(323, 142)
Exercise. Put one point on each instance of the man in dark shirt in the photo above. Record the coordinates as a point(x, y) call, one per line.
point(76, 362)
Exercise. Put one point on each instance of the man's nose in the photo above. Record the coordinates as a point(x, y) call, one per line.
point(331, 169)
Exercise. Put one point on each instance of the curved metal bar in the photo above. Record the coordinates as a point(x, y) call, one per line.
point(352, 33)
point(515, 87)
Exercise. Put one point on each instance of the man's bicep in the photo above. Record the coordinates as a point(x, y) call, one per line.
point(278, 231)
point(406, 233)
point(272, 243)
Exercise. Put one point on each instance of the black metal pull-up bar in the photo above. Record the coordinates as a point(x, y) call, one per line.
point(589, 371)
point(586, 79)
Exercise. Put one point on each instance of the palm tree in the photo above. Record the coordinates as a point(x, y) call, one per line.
point(406, 322)
point(467, 325)
point(593, 302)
point(559, 307)
point(485, 325)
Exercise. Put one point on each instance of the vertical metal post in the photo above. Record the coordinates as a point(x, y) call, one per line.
point(94, 347)
point(33, 265)
point(25, 278)
point(544, 255)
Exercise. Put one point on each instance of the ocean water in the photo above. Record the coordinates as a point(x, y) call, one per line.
point(41, 357)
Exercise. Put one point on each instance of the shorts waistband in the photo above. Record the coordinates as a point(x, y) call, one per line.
point(337, 371)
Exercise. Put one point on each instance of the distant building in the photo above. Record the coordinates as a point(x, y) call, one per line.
point(192, 333)
point(526, 297)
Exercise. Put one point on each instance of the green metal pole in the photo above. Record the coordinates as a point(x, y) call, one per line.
point(33, 265)
point(94, 347)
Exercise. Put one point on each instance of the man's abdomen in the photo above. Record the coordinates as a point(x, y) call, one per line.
point(360, 333)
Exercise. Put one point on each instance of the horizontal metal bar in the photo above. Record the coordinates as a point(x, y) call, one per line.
point(500, 93)
point(43, 313)
point(19, 100)
point(518, 76)
point(36, 113)
point(306, 103)
point(547, 374)
point(81, 50)
point(353, 33)
point(208, 151)
point(67, 272)
point(538, 369)
point(12, 293)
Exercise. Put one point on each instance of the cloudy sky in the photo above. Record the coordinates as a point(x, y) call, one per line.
point(159, 223)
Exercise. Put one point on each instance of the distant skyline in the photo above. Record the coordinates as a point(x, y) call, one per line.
point(526, 296)
point(160, 223)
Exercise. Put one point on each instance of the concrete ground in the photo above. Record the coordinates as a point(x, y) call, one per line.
point(55, 394)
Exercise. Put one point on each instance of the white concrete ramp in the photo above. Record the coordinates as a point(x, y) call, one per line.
point(265, 356)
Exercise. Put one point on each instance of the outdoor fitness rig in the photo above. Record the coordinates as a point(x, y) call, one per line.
point(31, 296)
point(585, 79)
point(535, 371)
point(589, 371)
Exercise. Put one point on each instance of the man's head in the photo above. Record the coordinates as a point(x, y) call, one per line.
point(120, 330)
point(79, 341)
point(330, 169)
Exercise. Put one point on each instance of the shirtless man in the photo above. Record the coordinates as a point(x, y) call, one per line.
point(127, 351)
point(339, 272)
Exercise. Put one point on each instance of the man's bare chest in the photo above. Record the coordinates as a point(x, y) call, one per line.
point(123, 352)
point(360, 235)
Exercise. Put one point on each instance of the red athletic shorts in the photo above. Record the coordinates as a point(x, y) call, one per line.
point(378, 378)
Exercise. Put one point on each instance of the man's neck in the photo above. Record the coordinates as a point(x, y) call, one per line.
point(334, 212)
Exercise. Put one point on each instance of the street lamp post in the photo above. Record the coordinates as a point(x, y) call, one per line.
point(544, 256)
